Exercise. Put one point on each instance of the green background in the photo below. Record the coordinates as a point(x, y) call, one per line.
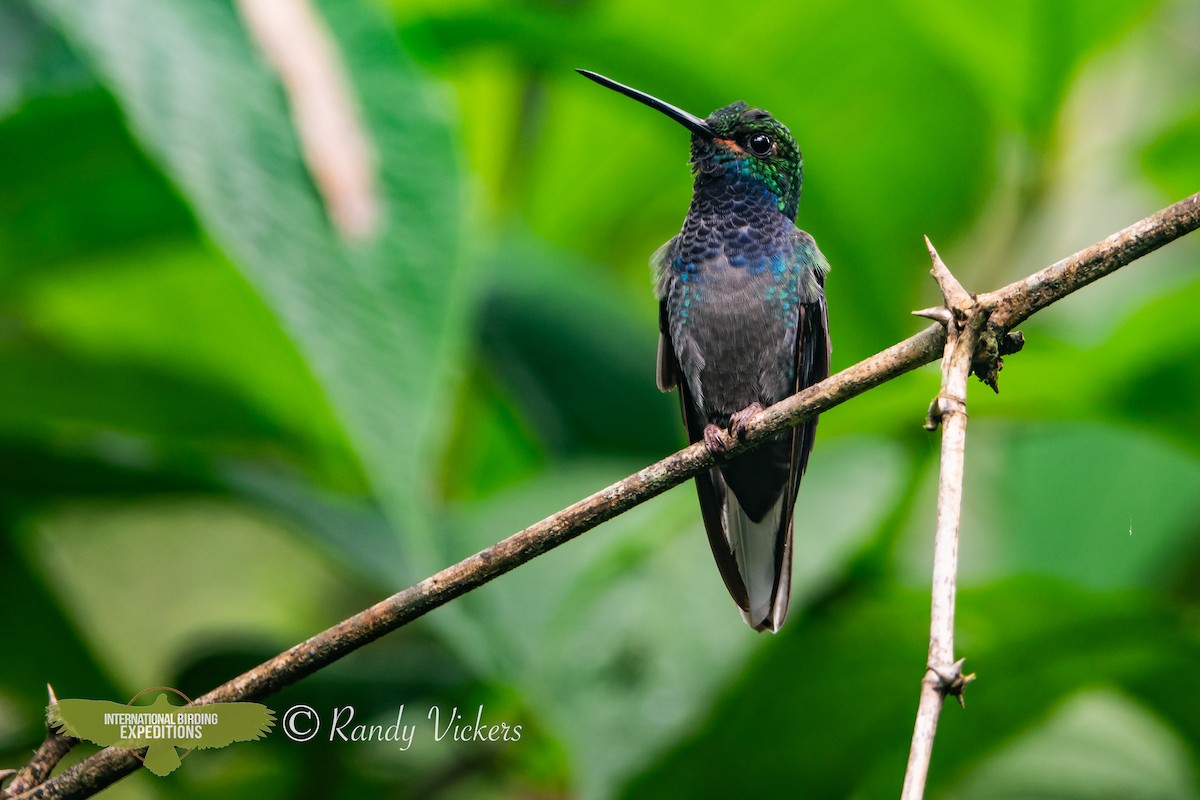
point(222, 429)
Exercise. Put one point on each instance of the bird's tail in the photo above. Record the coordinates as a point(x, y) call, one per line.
point(753, 556)
point(765, 571)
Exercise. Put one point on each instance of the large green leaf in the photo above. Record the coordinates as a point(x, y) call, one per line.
point(34, 60)
point(152, 307)
point(52, 394)
point(377, 321)
point(1101, 505)
point(80, 187)
point(56, 651)
point(1096, 744)
point(176, 550)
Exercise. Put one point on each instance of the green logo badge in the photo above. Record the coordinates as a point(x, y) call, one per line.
point(161, 727)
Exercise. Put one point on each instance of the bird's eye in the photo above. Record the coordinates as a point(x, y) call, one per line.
point(760, 144)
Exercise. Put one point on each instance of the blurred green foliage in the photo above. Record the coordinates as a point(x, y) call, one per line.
point(197, 372)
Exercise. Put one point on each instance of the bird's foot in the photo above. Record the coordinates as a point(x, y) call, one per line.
point(738, 420)
point(714, 441)
point(714, 436)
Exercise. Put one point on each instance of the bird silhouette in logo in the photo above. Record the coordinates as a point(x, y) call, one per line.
point(158, 728)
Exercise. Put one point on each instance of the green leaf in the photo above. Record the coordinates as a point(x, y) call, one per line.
point(1099, 743)
point(176, 551)
point(379, 323)
point(152, 308)
point(53, 650)
point(55, 394)
point(81, 187)
point(34, 60)
point(1036, 643)
point(1101, 505)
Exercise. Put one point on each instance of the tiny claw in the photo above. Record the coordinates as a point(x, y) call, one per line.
point(738, 420)
point(714, 442)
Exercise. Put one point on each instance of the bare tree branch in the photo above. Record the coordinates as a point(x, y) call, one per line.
point(1017, 302)
point(965, 317)
point(1009, 305)
point(964, 321)
point(51, 751)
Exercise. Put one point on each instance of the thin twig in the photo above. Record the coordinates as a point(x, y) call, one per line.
point(944, 675)
point(109, 765)
point(1017, 302)
point(51, 751)
point(964, 317)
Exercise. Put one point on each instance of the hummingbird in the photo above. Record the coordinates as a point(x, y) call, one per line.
point(742, 325)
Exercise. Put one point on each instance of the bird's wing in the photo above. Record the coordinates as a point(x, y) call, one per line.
point(713, 493)
point(754, 549)
point(810, 256)
point(813, 347)
point(710, 486)
point(84, 719)
point(812, 366)
point(667, 372)
point(813, 350)
point(239, 722)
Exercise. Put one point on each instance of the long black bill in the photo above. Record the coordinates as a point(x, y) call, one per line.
point(689, 121)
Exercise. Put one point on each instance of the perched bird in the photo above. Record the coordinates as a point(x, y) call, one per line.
point(742, 325)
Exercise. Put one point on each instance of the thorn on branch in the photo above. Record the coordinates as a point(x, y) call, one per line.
point(942, 405)
point(950, 680)
point(937, 314)
point(958, 300)
point(994, 341)
point(43, 762)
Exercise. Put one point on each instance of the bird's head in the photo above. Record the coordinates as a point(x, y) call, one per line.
point(737, 140)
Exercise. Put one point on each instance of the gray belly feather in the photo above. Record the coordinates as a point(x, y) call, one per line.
point(735, 337)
